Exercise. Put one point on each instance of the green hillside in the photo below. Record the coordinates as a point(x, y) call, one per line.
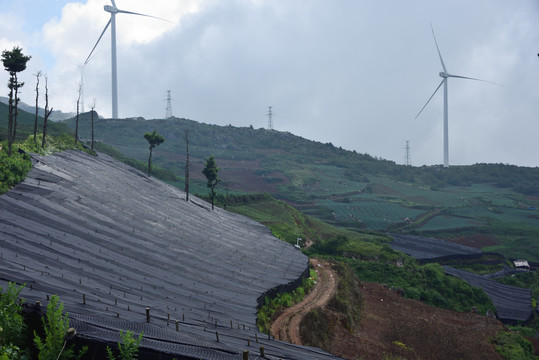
point(25, 124)
point(491, 206)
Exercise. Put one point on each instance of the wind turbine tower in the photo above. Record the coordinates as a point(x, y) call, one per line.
point(113, 10)
point(445, 76)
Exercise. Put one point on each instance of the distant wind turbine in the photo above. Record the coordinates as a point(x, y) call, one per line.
point(445, 75)
point(113, 10)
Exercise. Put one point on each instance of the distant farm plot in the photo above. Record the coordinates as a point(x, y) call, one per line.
point(445, 222)
point(374, 214)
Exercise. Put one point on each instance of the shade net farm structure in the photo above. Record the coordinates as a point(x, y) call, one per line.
point(116, 245)
point(423, 248)
point(511, 303)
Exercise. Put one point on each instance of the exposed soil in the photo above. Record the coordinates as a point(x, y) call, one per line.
point(286, 326)
point(392, 326)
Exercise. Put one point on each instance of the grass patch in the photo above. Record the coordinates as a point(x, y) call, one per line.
point(272, 308)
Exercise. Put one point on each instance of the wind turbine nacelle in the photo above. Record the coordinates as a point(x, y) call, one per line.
point(444, 74)
point(110, 9)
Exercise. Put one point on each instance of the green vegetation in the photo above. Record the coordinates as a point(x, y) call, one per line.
point(128, 347)
point(14, 62)
point(211, 172)
point(12, 327)
point(427, 283)
point(49, 340)
point(273, 307)
point(512, 346)
point(55, 326)
point(13, 169)
point(154, 139)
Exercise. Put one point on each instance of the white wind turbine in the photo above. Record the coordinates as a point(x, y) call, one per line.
point(113, 10)
point(445, 75)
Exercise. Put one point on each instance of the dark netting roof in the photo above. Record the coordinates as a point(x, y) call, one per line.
point(423, 248)
point(511, 303)
point(90, 226)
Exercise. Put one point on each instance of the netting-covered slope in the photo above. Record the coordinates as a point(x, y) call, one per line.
point(111, 242)
point(423, 248)
point(511, 303)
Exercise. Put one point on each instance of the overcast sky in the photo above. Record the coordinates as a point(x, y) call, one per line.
point(351, 72)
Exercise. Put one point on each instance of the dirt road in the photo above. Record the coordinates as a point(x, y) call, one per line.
point(286, 327)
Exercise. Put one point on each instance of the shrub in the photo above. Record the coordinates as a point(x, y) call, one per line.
point(11, 320)
point(13, 169)
point(512, 346)
point(55, 326)
point(128, 347)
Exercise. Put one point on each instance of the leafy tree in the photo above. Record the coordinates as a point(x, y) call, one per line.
point(154, 139)
point(14, 62)
point(128, 348)
point(210, 171)
point(55, 325)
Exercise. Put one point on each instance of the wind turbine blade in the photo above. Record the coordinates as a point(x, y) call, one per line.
point(437, 48)
point(113, 3)
point(91, 52)
point(424, 106)
point(134, 13)
point(471, 78)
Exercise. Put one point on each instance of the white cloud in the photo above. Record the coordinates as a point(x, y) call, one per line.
point(348, 72)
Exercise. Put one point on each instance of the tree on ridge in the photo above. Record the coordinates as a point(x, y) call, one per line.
point(210, 171)
point(154, 139)
point(14, 62)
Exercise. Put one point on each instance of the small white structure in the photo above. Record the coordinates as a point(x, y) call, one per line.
point(521, 265)
point(297, 244)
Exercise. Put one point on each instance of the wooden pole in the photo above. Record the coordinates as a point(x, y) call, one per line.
point(148, 314)
point(245, 354)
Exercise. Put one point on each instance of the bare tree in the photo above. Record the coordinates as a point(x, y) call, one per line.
point(38, 75)
point(187, 163)
point(92, 106)
point(47, 112)
point(77, 119)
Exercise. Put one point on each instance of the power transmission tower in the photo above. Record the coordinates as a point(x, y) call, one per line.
point(270, 118)
point(407, 156)
point(169, 106)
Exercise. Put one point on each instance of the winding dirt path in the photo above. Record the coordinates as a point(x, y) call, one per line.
point(286, 326)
